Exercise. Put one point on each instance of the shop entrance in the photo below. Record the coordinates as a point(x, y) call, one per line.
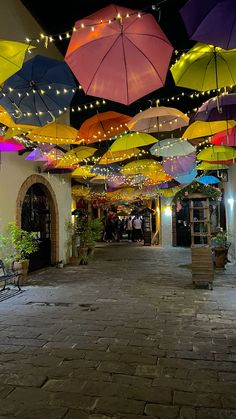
point(36, 216)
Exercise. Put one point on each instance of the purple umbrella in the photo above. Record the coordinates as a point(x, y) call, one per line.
point(211, 21)
point(222, 108)
point(180, 165)
point(166, 185)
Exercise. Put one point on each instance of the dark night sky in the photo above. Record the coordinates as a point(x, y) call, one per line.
point(63, 15)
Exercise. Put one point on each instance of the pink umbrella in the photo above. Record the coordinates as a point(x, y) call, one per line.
point(118, 57)
point(10, 145)
point(180, 165)
point(227, 138)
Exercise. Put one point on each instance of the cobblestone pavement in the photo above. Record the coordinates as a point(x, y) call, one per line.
point(125, 337)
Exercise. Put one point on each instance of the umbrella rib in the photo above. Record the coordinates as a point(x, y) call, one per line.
point(126, 73)
point(147, 60)
point(191, 64)
point(102, 62)
point(150, 35)
point(231, 30)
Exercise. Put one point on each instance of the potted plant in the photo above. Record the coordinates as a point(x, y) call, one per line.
point(7, 250)
point(220, 247)
point(24, 243)
point(89, 232)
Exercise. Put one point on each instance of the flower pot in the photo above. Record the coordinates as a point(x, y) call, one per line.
point(220, 256)
point(22, 266)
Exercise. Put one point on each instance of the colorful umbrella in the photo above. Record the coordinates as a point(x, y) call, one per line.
point(12, 56)
point(172, 147)
point(10, 145)
point(187, 178)
point(102, 126)
point(210, 166)
point(208, 180)
point(205, 67)
point(105, 169)
point(14, 129)
point(80, 191)
point(158, 119)
point(179, 165)
point(168, 185)
point(54, 133)
point(144, 166)
point(113, 157)
point(121, 59)
point(39, 92)
point(129, 141)
point(76, 155)
point(227, 138)
point(217, 153)
point(211, 21)
point(206, 129)
point(218, 108)
point(37, 155)
point(82, 172)
point(169, 193)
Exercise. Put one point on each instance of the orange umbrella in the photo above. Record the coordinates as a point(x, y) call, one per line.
point(102, 126)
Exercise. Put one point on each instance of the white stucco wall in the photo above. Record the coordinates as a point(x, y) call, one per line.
point(230, 208)
point(14, 170)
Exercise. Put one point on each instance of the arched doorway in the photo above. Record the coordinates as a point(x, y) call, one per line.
point(37, 211)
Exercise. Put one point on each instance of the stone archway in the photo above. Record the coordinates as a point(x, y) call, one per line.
point(31, 180)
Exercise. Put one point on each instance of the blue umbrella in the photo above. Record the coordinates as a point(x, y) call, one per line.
point(39, 92)
point(105, 169)
point(187, 178)
point(208, 180)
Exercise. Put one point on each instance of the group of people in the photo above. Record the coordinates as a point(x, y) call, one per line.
point(115, 228)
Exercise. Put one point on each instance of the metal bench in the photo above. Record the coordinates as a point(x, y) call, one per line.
point(9, 275)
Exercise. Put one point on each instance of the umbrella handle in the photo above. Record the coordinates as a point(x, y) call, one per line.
point(52, 116)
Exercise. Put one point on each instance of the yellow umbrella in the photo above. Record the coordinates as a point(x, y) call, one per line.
point(54, 133)
point(82, 171)
point(99, 179)
point(205, 67)
point(80, 191)
point(129, 141)
point(12, 56)
point(211, 166)
point(206, 129)
point(168, 193)
point(217, 153)
point(14, 129)
point(144, 167)
point(76, 155)
point(112, 157)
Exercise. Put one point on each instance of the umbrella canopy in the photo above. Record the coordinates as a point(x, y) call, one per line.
point(39, 92)
point(172, 147)
point(212, 21)
point(211, 166)
point(54, 133)
point(206, 129)
point(120, 60)
point(217, 153)
point(14, 129)
point(187, 178)
point(208, 180)
point(80, 191)
point(134, 140)
point(158, 119)
point(205, 67)
point(105, 169)
point(218, 108)
point(102, 126)
point(168, 193)
point(144, 167)
point(180, 165)
point(10, 145)
point(115, 181)
point(168, 185)
point(82, 172)
point(76, 155)
point(113, 157)
point(37, 155)
point(227, 138)
point(12, 56)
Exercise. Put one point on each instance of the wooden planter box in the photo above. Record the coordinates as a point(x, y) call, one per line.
point(202, 266)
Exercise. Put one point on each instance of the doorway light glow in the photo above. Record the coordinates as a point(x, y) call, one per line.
point(231, 202)
point(168, 210)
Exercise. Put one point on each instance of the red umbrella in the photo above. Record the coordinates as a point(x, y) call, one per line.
point(119, 54)
point(225, 138)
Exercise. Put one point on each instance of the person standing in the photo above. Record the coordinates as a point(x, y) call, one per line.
point(137, 225)
point(129, 228)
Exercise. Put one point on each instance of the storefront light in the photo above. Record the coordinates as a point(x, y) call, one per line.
point(168, 210)
point(231, 202)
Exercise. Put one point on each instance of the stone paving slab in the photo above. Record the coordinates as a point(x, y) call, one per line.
point(125, 337)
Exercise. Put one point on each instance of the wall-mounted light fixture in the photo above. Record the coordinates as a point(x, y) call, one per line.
point(168, 210)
